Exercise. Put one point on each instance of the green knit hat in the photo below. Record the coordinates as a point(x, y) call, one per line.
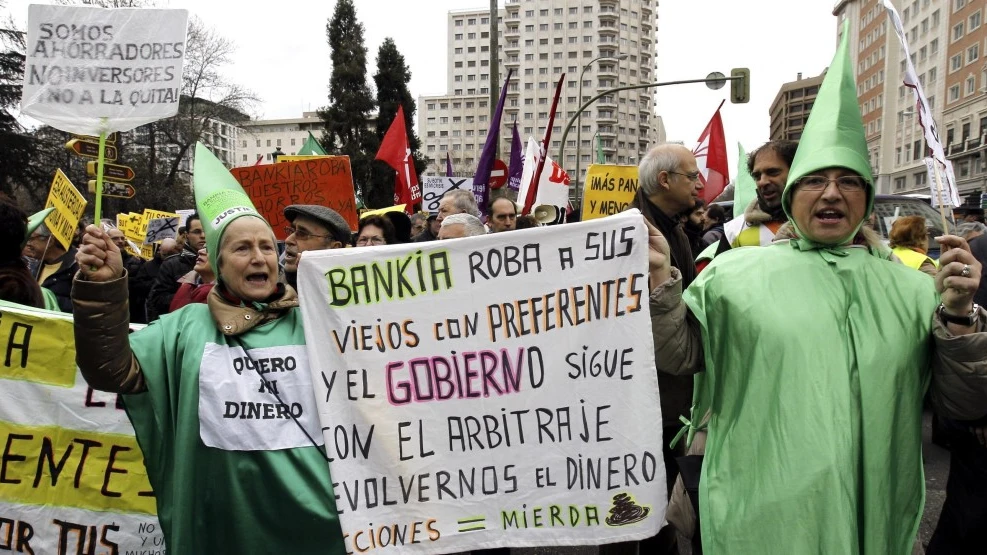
point(834, 135)
point(219, 199)
point(34, 221)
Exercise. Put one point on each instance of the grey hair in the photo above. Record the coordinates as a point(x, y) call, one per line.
point(43, 230)
point(970, 227)
point(662, 158)
point(464, 201)
point(471, 223)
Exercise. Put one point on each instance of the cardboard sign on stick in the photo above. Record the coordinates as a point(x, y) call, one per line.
point(609, 189)
point(69, 206)
point(326, 181)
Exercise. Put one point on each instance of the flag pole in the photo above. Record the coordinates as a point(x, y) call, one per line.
point(942, 211)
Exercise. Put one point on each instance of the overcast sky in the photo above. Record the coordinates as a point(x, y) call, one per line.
point(282, 53)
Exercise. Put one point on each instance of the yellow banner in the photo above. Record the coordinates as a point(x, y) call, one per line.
point(37, 348)
point(50, 465)
point(69, 206)
point(147, 251)
point(300, 157)
point(608, 190)
point(398, 208)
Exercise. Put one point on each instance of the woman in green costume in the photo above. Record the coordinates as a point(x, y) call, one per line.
point(815, 355)
point(219, 394)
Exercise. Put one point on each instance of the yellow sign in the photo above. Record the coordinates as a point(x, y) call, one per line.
point(398, 208)
point(38, 348)
point(69, 206)
point(608, 190)
point(299, 158)
point(132, 231)
point(147, 252)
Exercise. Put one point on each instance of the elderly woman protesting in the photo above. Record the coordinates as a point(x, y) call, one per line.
point(816, 354)
point(219, 394)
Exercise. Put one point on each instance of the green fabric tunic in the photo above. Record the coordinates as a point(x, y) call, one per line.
point(816, 366)
point(218, 499)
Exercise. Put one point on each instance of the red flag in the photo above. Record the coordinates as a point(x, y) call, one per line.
point(396, 153)
point(711, 157)
point(529, 200)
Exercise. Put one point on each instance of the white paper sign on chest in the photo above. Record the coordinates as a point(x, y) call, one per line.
point(489, 392)
point(96, 70)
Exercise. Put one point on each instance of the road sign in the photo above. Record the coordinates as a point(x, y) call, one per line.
point(111, 171)
point(111, 139)
point(498, 174)
point(90, 149)
point(113, 189)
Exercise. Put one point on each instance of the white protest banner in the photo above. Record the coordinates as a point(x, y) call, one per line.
point(910, 79)
point(485, 392)
point(160, 229)
point(73, 476)
point(183, 215)
point(435, 187)
point(94, 70)
point(950, 197)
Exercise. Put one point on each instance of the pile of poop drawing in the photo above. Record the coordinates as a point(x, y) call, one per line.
point(626, 511)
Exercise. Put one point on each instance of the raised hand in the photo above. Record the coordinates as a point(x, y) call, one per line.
point(98, 257)
point(959, 275)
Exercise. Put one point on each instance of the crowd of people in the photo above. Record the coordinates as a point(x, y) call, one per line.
point(800, 351)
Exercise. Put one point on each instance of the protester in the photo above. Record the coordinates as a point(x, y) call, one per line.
point(969, 230)
point(418, 223)
point(17, 285)
point(182, 236)
point(374, 231)
point(57, 265)
point(219, 483)
point(910, 243)
point(195, 285)
point(402, 227)
point(458, 201)
point(769, 166)
point(166, 284)
point(694, 224)
point(313, 227)
point(130, 262)
point(503, 215)
point(668, 187)
point(431, 231)
point(716, 216)
point(142, 281)
point(526, 222)
point(817, 351)
point(461, 225)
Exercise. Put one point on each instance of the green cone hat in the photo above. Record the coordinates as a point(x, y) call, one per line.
point(219, 199)
point(745, 189)
point(34, 222)
point(834, 135)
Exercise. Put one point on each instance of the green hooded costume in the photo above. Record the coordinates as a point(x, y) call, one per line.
point(229, 463)
point(817, 359)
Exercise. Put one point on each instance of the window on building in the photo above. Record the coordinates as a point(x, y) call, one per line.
point(957, 31)
point(899, 184)
point(954, 93)
point(269, 142)
point(972, 53)
point(459, 36)
point(458, 23)
point(971, 85)
point(458, 50)
point(974, 22)
point(956, 62)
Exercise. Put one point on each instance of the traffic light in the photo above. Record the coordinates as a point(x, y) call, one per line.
point(740, 89)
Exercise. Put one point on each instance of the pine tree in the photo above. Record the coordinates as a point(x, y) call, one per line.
point(347, 118)
point(17, 174)
point(391, 80)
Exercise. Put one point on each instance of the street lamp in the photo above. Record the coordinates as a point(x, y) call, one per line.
point(579, 129)
point(588, 103)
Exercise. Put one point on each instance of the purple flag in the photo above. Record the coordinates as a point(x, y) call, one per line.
point(448, 164)
point(517, 162)
point(481, 180)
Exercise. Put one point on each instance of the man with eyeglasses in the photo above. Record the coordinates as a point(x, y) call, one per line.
point(173, 268)
point(762, 218)
point(312, 227)
point(668, 187)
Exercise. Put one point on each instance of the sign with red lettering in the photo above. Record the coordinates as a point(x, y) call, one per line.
point(326, 181)
point(478, 393)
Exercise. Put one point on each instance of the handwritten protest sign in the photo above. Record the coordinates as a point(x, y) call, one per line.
point(609, 189)
point(160, 229)
point(435, 187)
point(147, 216)
point(326, 181)
point(93, 70)
point(482, 393)
point(73, 479)
point(133, 229)
point(69, 205)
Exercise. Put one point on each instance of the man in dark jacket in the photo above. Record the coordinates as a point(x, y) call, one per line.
point(669, 187)
point(165, 285)
point(58, 265)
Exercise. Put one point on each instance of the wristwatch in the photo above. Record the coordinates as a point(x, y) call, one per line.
point(968, 320)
